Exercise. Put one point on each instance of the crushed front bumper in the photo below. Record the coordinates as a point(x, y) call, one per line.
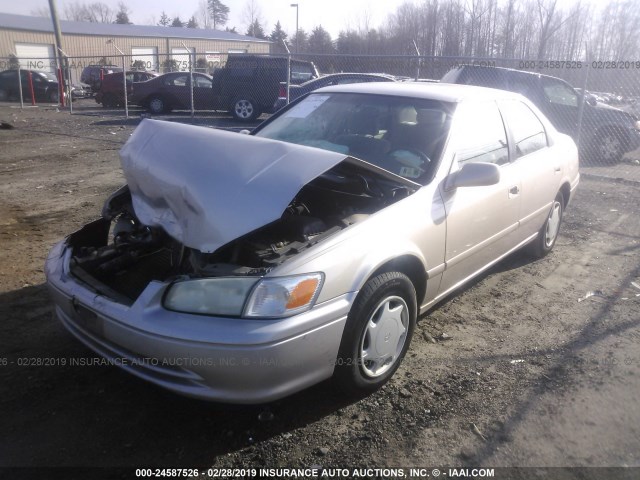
point(213, 358)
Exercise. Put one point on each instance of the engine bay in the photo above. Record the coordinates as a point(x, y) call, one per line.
point(118, 256)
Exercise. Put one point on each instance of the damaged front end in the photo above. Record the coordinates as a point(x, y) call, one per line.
point(210, 213)
point(117, 255)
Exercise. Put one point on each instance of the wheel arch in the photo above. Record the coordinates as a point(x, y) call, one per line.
point(617, 130)
point(565, 189)
point(412, 267)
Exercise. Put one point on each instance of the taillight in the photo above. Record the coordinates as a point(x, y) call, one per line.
point(282, 92)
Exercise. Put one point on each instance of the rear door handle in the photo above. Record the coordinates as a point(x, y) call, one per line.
point(514, 191)
point(557, 169)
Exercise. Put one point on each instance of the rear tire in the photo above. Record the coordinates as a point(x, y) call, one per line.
point(245, 109)
point(548, 234)
point(377, 334)
point(157, 105)
point(109, 100)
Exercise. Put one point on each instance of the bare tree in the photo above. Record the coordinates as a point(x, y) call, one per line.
point(96, 12)
point(203, 14)
point(617, 35)
point(41, 12)
point(251, 13)
point(551, 20)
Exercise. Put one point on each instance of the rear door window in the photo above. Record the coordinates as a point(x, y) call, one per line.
point(202, 82)
point(559, 93)
point(177, 81)
point(481, 134)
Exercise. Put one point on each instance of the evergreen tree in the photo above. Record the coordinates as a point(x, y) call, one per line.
point(122, 17)
point(300, 41)
point(219, 13)
point(278, 35)
point(164, 21)
point(256, 30)
point(192, 23)
point(320, 41)
point(177, 22)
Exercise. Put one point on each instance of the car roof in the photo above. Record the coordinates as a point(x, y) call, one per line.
point(172, 74)
point(349, 74)
point(444, 92)
point(509, 70)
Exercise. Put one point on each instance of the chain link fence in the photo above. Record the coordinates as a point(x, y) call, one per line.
point(597, 102)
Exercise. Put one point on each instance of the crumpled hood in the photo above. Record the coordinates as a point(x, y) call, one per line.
point(206, 187)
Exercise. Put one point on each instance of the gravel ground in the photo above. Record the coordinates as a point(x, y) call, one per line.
point(512, 371)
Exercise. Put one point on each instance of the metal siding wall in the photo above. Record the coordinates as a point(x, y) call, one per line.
point(96, 46)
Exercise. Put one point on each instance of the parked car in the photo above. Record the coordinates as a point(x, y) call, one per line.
point(296, 91)
point(79, 91)
point(111, 93)
point(172, 91)
point(92, 75)
point(607, 133)
point(248, 85)
point(45, 86)
point(244, 268)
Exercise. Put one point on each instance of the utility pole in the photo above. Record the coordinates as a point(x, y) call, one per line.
point(58, 35)
point(297, 30)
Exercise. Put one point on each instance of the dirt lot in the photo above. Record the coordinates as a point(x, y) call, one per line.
point(528, 375)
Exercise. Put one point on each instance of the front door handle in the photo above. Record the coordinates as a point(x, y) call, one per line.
point(514, 191)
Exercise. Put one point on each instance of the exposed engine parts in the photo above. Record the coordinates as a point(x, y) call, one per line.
point(119, 256)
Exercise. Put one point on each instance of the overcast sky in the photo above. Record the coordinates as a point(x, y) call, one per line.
point(333, 15)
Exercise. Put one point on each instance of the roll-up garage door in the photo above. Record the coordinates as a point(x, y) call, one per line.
point(183, 57)
point(147, 56)
point(36, 56)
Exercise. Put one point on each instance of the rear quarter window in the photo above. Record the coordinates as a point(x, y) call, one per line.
point(528, 132)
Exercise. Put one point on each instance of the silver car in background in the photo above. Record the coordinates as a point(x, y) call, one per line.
point(243, 268)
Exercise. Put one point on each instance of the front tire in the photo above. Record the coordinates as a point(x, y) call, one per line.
point(609, 148)
point(377, 334)
point(548, 234)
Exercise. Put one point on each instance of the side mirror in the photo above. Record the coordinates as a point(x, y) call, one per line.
point(474, 175)
point(245, 131)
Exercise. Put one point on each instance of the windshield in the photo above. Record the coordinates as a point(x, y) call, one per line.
point(403, 135)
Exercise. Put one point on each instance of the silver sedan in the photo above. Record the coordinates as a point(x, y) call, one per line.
point(243, 268)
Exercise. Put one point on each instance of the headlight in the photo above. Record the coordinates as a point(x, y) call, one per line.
point(211, 296)
point(226, 296)
point(637, 125)
point(284, 296)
